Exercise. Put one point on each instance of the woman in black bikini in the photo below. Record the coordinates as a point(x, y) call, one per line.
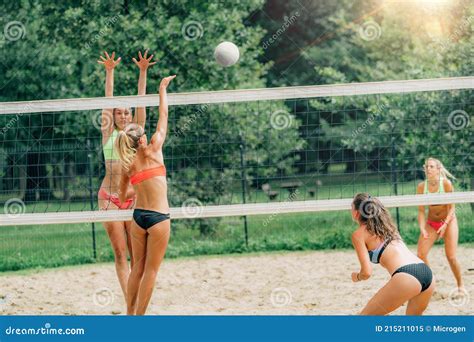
point(144, 168)
point(377, 240)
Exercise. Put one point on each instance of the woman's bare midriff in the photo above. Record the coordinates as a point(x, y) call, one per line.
point(437, 212)
point(397, 255)
point(152, 195)
point(111, 183)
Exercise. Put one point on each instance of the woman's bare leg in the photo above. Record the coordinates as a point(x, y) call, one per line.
point(138, 237)
point(418, 304)
point(128, 228)
point(450, 247)
point(400, 288)
point(157, 241)
point(118, 241)
point(424, 245)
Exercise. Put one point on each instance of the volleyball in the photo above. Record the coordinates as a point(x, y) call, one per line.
point(226, 54)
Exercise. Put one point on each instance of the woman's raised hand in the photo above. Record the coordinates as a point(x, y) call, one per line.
point(166, 81)
point(109, 62)
point(143, 62)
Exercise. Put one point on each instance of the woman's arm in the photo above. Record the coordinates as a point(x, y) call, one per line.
point(358, 242)
point(421, 212)
point(107, 122)
point(143, 64)
point(124, 182)
point(448, 187)
point(159, 137)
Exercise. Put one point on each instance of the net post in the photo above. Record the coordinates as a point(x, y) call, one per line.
point(242, 168)
point(91, 195)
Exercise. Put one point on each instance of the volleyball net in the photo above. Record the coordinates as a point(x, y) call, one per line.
point(246, 152)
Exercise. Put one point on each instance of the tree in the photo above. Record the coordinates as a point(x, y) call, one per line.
point(62, 44)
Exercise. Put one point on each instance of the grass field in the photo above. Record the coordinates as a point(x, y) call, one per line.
point(25, 247)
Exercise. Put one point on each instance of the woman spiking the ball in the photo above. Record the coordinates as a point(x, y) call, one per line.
point(144, 168)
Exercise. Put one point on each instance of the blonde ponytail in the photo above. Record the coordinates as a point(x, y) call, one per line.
point(443, 172)
point(127, 144)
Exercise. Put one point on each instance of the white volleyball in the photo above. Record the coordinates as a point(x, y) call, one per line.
point(226, 54)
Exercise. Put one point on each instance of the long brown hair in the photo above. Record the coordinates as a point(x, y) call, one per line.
point(375, 216)
point(127, 143)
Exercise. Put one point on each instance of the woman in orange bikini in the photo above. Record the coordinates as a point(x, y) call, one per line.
point(441, 221)
point(113, 121)
point(144, 168)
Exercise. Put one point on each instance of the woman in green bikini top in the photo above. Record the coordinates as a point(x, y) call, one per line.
point(441, 221)
point(113, 120)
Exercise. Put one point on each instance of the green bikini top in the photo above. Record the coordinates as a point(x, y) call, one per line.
point(109, 149)
point(440, 188)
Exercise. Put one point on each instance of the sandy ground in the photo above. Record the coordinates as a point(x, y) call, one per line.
point(296, 283)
